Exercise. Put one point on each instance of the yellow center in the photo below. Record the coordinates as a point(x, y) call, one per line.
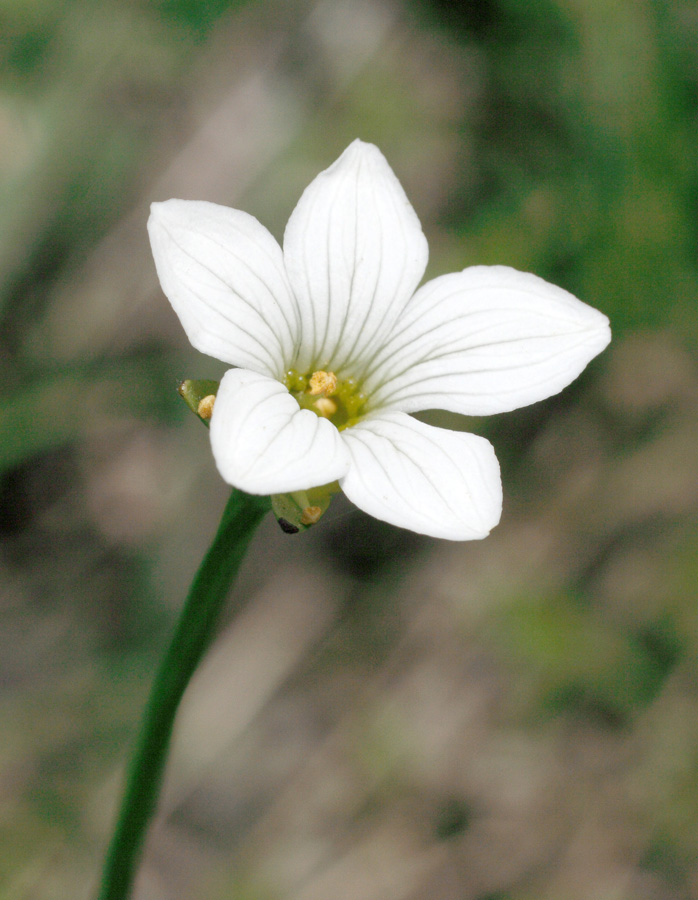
point(322, 392)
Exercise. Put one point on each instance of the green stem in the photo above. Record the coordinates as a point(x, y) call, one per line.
point(192, 637)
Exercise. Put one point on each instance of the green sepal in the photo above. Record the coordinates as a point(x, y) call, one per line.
point(288, 508)
point(193, 392)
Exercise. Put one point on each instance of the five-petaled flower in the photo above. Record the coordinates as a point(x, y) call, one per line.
point(334, 346)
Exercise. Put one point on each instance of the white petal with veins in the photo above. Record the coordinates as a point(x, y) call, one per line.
point(263, 443)
point(437, 482)
point(486, 340)
point(224, 275)
point(354, 252)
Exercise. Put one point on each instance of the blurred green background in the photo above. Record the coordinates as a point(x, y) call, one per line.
point(392, 717)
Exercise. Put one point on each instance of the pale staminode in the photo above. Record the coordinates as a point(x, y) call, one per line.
point(334, 346)
point(205, 408)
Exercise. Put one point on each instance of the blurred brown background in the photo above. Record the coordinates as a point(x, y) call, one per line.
point(392, 718)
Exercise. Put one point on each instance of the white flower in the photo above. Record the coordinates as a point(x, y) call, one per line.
point(339, 307)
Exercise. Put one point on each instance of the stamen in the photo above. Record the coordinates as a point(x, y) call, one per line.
point(322, 383)
point(325, 407)
point(205, 408)
point(311, 515)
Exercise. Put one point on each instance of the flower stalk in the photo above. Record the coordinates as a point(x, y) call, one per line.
point(193, 635)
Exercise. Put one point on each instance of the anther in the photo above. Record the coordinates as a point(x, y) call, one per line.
point(311, 515)
point(325, 407)
point(322, 383)
point(205, 407)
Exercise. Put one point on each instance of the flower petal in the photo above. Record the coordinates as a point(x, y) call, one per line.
point(430, 480)
point(263, 443)
point(354, 253)
point(224, 275)
point(485, 340)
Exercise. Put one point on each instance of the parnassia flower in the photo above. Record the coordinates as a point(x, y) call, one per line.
point(334, 346)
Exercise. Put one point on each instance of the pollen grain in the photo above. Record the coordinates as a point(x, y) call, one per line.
point(322, 382)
